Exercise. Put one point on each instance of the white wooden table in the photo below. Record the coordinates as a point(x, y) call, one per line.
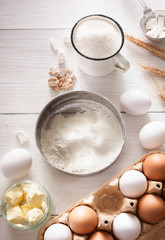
point(25, 58)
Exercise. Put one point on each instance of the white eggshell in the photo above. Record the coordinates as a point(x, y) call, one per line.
point(58, 231)
point(133, 184)
point(126, 226)
point(135, 102)
point(152, 135)
point(16, 163)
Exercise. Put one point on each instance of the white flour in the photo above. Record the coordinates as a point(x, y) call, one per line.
point(97, 38)
point(83, 142)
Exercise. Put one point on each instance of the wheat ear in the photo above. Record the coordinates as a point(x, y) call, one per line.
point(154, 70)
point(160, 92)
point(150, 47)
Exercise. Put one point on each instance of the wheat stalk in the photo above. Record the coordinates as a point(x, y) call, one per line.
point(154, 70)
point(160, 92)
point(150, 47)
point(161, 95)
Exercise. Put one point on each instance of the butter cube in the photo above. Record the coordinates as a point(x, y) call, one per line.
point(66, 40)
point(15, 214)
point(44, 206)
point(151, 23)
point(162, 34)
point(25, 209)
point(35, 197)
point(54, 44)
point(22, 138)
point(161, 21)
point(154, 32)
point(25, 188)
point(14, 196)
point(34, 215)
point(61, 58)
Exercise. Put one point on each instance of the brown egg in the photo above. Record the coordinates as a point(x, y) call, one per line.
point(163, 192)
point(154, 167)
point(151, 208)
point(83, 219)
point(101, 235)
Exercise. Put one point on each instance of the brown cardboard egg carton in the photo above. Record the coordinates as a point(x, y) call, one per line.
point(108, 202)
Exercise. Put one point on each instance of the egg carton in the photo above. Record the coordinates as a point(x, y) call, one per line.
point(108, 202)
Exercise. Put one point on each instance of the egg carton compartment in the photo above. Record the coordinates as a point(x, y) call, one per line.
point(108, 202)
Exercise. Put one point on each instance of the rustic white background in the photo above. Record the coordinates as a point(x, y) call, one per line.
point(25, 58)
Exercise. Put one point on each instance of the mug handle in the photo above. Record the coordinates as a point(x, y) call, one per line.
point(121, 63)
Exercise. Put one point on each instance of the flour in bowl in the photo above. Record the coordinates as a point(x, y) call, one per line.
point(82, 142)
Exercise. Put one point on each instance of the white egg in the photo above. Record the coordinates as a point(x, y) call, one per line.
point(126, 226)
point(16, 163)
point(135, 102)
point(133, 184)
point(152, 135)
point(58, 231)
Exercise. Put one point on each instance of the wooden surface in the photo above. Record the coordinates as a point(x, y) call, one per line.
point(25, 58)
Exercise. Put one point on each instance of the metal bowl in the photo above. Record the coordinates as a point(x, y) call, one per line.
point(70, 103)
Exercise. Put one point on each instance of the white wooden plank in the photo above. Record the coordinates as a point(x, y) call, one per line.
point(27, 56)
point(29, 14)
point(57, 14)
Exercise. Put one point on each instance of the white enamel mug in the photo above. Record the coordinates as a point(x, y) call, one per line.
point(100, 66)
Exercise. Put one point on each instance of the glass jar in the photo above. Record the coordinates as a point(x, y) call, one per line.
point(26, 225)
